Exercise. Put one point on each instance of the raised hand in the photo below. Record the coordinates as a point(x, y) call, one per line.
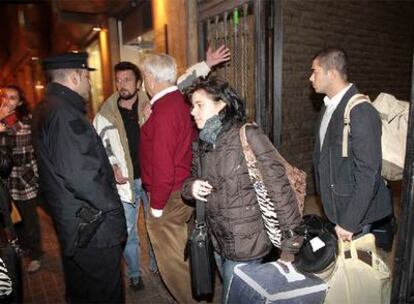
point(218, 56)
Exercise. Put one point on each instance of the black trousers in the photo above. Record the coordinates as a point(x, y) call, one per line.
point(28, 230)
point(93, 275)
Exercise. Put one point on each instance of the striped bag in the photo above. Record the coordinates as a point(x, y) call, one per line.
point(6, 285)
point(297, 180)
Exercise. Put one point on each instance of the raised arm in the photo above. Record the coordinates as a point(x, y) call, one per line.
point(203, 68)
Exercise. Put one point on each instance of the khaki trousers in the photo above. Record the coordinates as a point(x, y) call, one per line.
point(168, 235)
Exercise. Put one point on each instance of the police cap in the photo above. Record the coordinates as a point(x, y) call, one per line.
point(67, 61)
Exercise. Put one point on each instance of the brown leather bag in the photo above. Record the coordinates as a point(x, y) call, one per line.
point(297, 180)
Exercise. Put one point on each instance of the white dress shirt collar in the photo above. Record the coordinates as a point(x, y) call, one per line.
point(331, 105)
point(162, 93)
point(334, 101)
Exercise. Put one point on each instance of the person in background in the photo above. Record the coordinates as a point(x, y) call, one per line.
point(23, 181)
point(78, 185)
point(352, 190)
point(233, 215)
point(118, 124)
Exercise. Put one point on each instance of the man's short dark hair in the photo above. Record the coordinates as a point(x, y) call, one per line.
point(129, 66)
point(333, 58)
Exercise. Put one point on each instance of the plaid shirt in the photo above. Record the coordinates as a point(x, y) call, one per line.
point(23, 181)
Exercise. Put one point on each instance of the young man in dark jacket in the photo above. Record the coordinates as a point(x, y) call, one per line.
point(353, 192)
point(78, 185)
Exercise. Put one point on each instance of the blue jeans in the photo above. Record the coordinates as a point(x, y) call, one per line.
point(226, 270)
point(132, 248)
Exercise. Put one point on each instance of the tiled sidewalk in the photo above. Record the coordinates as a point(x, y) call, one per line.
point(46, 285)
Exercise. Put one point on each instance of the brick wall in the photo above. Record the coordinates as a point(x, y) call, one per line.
point(378, 37)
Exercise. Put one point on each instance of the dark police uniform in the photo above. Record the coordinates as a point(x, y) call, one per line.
point(75, 175)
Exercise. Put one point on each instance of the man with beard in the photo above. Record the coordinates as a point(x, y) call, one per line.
point(118, 124)
point(78, 184)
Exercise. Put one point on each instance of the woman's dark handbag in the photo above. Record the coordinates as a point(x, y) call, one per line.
point(200, 251)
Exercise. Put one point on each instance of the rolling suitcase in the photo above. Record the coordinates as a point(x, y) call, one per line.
point(275, 282)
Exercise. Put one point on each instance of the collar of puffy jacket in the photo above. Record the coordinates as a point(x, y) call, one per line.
point(70, 96)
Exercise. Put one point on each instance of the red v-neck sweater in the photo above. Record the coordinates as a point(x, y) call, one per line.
point(165, 148)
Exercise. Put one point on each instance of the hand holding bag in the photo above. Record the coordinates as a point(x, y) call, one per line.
point(360, 276)
point(200, 251)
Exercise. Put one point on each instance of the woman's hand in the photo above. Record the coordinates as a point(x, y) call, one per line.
point(200, 189)
point(3, 127)
point(4, 110)
point(292, 245)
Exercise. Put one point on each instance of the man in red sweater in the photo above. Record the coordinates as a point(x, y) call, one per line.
point(165, 158)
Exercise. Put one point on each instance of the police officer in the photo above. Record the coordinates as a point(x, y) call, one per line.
point(78, 184)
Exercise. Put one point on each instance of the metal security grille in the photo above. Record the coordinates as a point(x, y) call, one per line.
point(234, 28)
point(254, 36)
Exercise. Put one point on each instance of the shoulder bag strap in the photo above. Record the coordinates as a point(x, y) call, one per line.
point(354, 101)
point(249, 155)
point(200, 205)
point(248, 152)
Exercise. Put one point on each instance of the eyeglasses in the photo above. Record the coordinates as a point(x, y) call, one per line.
point(123, 80)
